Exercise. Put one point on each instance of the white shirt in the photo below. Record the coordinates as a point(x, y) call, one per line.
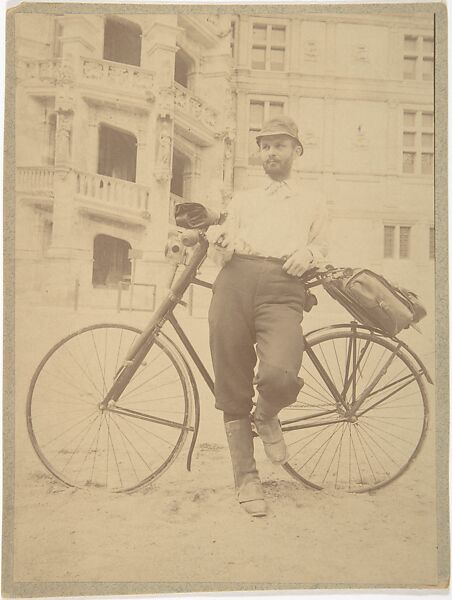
point(276, 220)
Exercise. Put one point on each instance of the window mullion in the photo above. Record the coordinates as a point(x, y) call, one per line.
point(267, 44)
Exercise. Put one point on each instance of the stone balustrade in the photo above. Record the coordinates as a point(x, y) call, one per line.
point(116, 193)
point(87, 71)
point(195, 107)
point(117, 74)
point(35, 179)
point(105, 192)
point(50, 71)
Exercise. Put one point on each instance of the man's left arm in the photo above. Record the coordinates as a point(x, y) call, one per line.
point(314, 253)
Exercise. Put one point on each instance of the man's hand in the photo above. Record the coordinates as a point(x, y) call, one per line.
point(299, 262)
point(218, 237)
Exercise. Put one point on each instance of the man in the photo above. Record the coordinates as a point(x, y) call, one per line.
point(271, 236)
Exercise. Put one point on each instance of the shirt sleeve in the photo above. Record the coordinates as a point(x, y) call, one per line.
point(318, 238)
point(229, 227)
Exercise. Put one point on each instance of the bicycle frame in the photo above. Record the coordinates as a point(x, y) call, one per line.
point(165, 313)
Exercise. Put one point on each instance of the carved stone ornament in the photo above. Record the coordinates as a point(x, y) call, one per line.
point(164, 154)
point(63, 137)
point(221, 28)
point(360, 140)
point(360, 53)
point(64, 102)
point(310, 139)
point(311, 50)
point(165, 99)
point(54, 71)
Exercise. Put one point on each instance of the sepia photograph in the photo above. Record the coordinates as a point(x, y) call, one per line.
point(226, 306)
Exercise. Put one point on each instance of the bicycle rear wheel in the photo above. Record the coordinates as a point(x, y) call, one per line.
point(331, 448)
point(121, 448)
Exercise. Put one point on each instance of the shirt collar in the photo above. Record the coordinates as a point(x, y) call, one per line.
point(286, 184)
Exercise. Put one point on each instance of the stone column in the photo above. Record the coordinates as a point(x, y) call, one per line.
point(158, 54)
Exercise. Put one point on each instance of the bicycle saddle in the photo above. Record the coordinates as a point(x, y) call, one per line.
point(193, 215)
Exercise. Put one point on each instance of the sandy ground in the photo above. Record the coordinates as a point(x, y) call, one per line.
point(187, 527)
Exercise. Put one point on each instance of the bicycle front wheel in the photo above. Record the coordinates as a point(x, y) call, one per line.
point(127, 445)
point(334, 446)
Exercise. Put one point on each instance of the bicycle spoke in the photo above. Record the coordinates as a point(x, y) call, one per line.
point(136, 427)
point(388, 425)
point(70, 428)
point(139, 454)
point(147, 381)
point(84, 371)
point(100, 365)
point(123, 439)
point(84, 446)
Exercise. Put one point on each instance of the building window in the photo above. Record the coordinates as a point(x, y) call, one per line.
point(122, 41)
point(389, 233)
point(396, 241)
point(418, 142)
point(57, 38)
point(431, 248)
point(260, 111)
point(51, 136)
point(180, 175)
point(183, 69)
point(111, 262)
point(268, 47)
point(418, 58)
point(117, 153)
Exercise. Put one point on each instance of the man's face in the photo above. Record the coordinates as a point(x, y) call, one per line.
point(278, 153)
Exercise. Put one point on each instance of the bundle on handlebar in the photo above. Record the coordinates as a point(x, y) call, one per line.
point(193, 215)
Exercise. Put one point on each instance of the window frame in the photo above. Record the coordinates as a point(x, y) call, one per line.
point(268, 46)
point(419, 55)
point(397, 240)
point(418, 130)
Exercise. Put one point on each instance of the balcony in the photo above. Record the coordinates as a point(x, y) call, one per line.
point(35, 185)
point(91, 74)
point(195, 117)
point(35, 179)
point(117, 75)
point(93, 194)
point(108, 196)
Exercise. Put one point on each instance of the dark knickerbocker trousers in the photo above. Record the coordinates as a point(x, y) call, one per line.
point(256, 311)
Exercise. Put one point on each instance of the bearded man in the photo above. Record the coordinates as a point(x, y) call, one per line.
point(271, 236)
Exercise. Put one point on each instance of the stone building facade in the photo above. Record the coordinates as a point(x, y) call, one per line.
point(118, 117)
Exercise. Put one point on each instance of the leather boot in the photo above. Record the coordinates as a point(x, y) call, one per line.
point(247, 483)
point(269, 429)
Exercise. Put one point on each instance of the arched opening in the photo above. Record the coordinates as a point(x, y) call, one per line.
point(111, 262)
point(117, 153)
point(122, 41)
point(184, 68)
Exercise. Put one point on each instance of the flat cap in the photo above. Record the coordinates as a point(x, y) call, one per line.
point(280, 126)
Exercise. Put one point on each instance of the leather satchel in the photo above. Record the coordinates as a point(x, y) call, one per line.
point(376, 302)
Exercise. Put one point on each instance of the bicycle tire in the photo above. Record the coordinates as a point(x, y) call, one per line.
point(378, 447)
point(111, 450)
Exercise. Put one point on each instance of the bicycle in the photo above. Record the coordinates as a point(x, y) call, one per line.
point(110, 406)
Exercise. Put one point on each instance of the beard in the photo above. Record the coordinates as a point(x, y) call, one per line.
point(276, 169)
